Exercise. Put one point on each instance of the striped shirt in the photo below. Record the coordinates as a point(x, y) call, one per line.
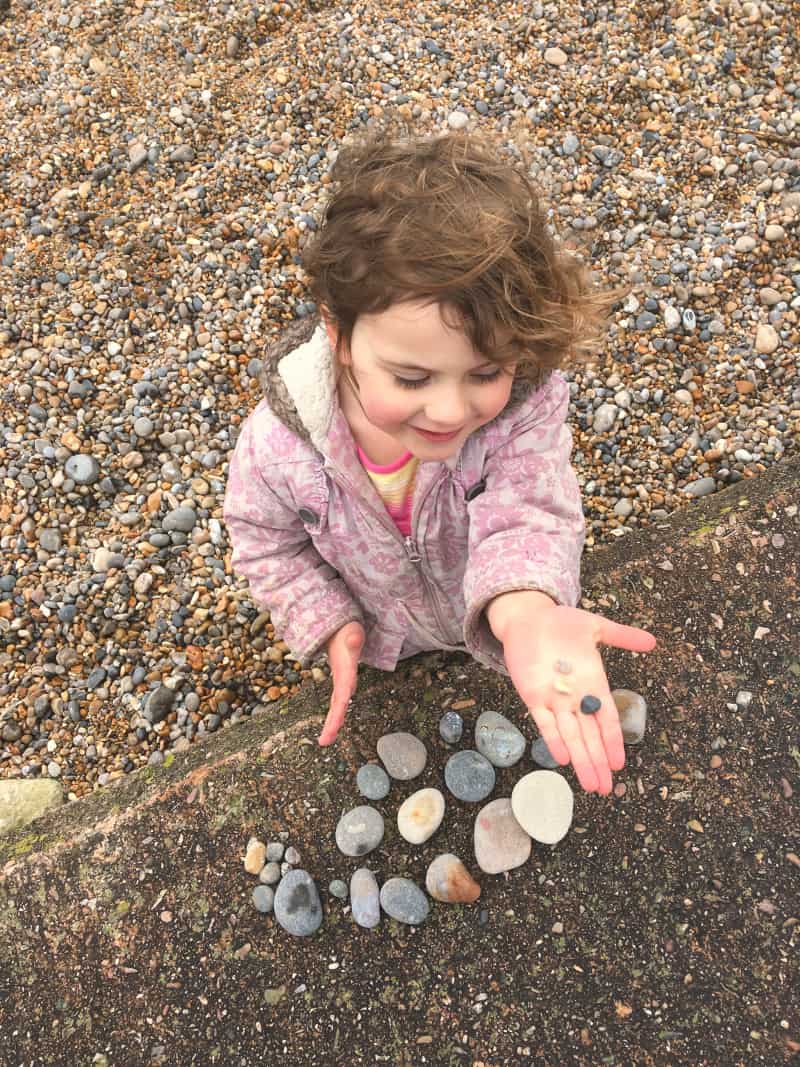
point(395, 485)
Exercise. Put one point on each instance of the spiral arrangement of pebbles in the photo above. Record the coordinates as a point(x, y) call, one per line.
point(539, 809)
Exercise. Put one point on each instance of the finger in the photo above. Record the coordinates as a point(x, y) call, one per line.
point(621, 636)
point(611, 731)
point(595, 747)
point(343, 688)
point(571, 735)
point(545, 720)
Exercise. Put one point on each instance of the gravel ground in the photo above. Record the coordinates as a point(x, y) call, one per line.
point(161, 163)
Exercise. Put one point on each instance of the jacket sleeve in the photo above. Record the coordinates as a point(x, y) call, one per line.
point(307, 600)
point(527, 528)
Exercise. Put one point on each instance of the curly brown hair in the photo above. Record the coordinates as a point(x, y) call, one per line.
point(444, 218)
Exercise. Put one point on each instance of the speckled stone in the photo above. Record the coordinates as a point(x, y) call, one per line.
point(401, 899)
point(498, 739)
point(365, 898)
point(404, 756)
point(338, 889)
point(451, 727)
point(359, 831)
point(542, 803)
point(297, 904)
point(372, 781)
point(469, 776)
point(500, 842)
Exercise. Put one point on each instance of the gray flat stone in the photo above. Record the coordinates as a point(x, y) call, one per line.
point(297, 905)
point(469, 776)
point(540, 754)
point(373, 782)
point(404, 756)
point(403, 900)
point(501, 844)
point(359, 831)
point(498, 739)
point(365, 898)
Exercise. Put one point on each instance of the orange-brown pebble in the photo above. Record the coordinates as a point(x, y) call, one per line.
point(449, 880)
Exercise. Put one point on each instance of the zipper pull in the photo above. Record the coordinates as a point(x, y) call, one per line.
point(411, 550)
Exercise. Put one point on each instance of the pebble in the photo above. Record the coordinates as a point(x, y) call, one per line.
point(448, 880)
point(767, 339)
point(270, 873)
point(84, 358)
point(263, 898)
point(297, 904)
point(540, 754)
point(451, 727)
point(359, 831)
point(700, 487)
point(338, 889)
point(501, 844)
point(542, 804)
point(632, 708)
point(404, 756)
point(498, 739)
point(254, 856)
point(275, 851)
point(365, 898)
point(401, 899)
point(420, 815)
point(372, 781)
point(292, 855)
point(469, 776)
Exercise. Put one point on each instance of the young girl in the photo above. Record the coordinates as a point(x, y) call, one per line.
point(405, 483)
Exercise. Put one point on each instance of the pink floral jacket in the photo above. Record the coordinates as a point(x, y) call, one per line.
point(312, 536)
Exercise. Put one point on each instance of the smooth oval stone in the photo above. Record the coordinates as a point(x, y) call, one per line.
point(540, 754)
point(403, 900)
point(297, 905)
point(498, 739)
point(451, 727)
point(254, 856)
point(270, 873)
point(365, 898)
point(263, 898)
point(449, 880)
point(469, 775)
point(372, 781)
point(542, 803)
point(359, 831)
point(420, 816)
point(632, 708)
point(501, 844)
point(403, 755)
point(338, 888)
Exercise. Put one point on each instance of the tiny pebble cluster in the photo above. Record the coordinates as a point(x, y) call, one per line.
point(539, 809)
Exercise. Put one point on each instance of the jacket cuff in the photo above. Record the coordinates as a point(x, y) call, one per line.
point(478, 637)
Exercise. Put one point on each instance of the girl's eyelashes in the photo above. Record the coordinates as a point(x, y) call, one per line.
point(417, 383)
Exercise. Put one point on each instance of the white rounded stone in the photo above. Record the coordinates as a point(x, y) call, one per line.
point(542, 803)
point(420, 816)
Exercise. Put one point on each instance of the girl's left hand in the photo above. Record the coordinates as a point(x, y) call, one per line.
point(535, 646)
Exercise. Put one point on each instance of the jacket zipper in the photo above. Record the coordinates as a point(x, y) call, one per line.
point(409, 543)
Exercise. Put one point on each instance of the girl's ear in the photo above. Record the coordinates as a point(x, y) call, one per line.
point(330, 328)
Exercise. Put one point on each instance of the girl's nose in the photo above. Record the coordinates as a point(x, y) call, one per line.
point(449, 410)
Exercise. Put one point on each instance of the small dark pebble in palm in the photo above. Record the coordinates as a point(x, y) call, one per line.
point(590, 705)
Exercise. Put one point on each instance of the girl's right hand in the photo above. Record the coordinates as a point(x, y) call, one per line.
point(344, 649)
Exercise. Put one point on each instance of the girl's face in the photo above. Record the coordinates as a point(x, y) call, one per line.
point(419, 378)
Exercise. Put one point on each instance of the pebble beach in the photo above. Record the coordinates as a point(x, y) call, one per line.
point(161, 166)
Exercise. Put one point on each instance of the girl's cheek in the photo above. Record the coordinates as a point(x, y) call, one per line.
point(387, 410)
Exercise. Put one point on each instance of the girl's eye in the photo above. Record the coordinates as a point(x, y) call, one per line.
point(417, 383)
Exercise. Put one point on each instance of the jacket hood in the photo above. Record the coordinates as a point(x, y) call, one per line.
point(298, 380)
